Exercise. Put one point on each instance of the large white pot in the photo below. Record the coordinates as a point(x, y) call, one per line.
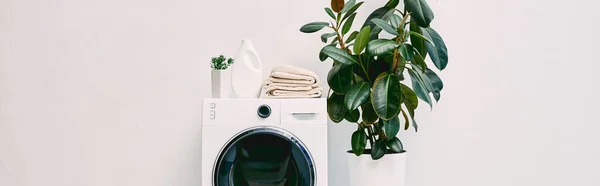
point(221, 83)
point(387, 171)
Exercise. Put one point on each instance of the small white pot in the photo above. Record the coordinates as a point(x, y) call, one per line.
point(221, 83)
point(387, 171)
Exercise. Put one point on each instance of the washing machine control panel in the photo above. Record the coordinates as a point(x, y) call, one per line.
point(212, 111)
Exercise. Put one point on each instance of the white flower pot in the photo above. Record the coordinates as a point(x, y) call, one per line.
point(387, 171)
point(221, 83)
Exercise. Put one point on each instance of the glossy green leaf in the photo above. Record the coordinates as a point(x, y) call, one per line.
point(348, 5)
point(406, 51)
point(417, 43)
point(386, 96)
point(414, 122)
point(436, 83)
point(391, 127)
point(437, 51)
point(382, 13)
point(419, 87)
point(395, 145)
point(352, 36)
point(378, 150)
point(337, 5)
point(357, 95)
point(381, 46)
point(368, 114)
point(410, 99)
point(352, 10)
point(335, 108)
point(323, 56)
point(326, 36)
point(352, 116)
point(313, 27)
point(359, 142)
point(348, 24)
point(339, 55)
point(419, 61)
point(420, 10)
point(392, 3)
point(362, 40)
point(330, 12)
point(395, 21)
point(421, 36)
point(385, 26)
point(339, 78)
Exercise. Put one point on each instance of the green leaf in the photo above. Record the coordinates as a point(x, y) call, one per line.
point(386, 96)
point(378, 150)
point(313, 27)
point(348, 5)
point(381, 46)
point(352, 37)
point(352, 10)
point(421, 36)
point(395, 20)
point(436, 83)
point(322, 55)
point(392, 3)
point(339, 55)
point(395, 145)
point(419, 87)
point(383, 13)
point(335, 108)
point(362, 40)
point(385, 26)
point(414, 122)
point(437, 52)
point(330, 12)
point(357, 95)
point(417, 42)
point(409, 97)
point(391, 127)
point(324, 37)
point(348, 24)
point(339, 78)
point(407, 51)
point(352, 116)
point(368, 114)
point(420, 10)
point(337, 5)
point(419, 60)
point(359, 142)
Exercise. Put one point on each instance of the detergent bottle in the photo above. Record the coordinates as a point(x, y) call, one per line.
point(246, 72)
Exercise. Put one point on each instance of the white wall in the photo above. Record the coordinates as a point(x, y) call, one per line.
point(108, 92)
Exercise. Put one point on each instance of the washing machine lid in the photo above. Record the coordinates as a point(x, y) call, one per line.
point(264, 156)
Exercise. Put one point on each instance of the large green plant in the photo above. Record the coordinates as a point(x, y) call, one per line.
point(368, 73)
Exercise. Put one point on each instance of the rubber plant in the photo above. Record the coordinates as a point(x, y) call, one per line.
point(369, 73)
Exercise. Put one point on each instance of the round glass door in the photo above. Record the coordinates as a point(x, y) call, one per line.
point(264, 156)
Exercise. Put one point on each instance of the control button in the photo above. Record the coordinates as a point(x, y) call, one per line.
point(264, 111)
point(212, 114)
point(213, 105)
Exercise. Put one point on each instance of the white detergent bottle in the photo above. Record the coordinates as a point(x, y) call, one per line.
point(246, 72)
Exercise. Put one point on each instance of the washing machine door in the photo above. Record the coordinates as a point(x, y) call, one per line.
point(264, 156)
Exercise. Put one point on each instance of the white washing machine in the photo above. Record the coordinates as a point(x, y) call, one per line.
point(264, 142)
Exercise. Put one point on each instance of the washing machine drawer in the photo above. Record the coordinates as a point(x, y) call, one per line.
point(304, 112)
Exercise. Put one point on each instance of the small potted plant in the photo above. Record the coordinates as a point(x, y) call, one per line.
point(221, 76)
point(369, 79)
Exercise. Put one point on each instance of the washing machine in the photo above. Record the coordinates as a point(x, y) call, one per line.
point(264, 142)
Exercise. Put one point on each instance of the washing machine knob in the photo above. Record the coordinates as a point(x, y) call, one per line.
point(264, 111)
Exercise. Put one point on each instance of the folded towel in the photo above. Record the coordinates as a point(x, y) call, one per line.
point(288, 81)
point(294, 74)
point(278, 93)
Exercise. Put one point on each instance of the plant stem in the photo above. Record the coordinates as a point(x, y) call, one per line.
point(371, 138)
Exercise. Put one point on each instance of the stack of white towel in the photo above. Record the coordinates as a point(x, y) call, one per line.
point(287, 81)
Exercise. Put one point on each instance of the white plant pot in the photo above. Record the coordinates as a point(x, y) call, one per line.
point(387, 171)
point(221, 83)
